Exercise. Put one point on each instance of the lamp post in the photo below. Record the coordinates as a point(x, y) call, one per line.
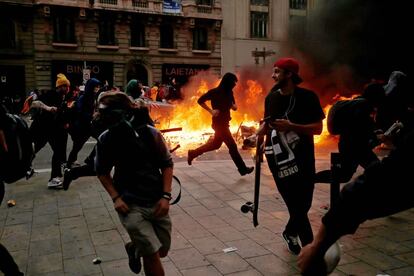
point(264, 53)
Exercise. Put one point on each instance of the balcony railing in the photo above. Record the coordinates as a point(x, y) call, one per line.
point(109, 2)
point(140, 4)
point(298, 4)
point(204, 9)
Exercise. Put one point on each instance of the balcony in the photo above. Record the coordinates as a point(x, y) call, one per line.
point(202, 11)
point(298, 4)
point(144, 6)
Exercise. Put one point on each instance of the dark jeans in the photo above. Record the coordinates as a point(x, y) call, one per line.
point(79, 138)
point(88, 169)
point(223, 134)
point(7, 264)
point(58, 142)
point(297, 192)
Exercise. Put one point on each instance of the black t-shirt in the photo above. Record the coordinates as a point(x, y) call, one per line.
point(302, 107)
point(137, 155)
point(222, 100)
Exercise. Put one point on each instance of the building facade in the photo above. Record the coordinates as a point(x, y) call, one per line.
point(256, 31)
point(112, 40)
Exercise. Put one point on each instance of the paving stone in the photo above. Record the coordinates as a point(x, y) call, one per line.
point(247, 248)
point(201, 271)
point(77, 248)
point(106, 237)
point(187, 258)
point(228, 262)
point(45, 247)
point(81, 265)
point(227, 233)
point(45, 220)
point(359, 268)
point(376, 258)
point(19, 218)
point(45, 264)
point(208, 245)
point(271, 265)
point(109, 252)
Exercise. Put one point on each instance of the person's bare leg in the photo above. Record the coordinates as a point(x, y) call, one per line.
point(152, 265)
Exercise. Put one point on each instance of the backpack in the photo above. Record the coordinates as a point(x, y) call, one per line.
point(16, 163)
point(341, 113)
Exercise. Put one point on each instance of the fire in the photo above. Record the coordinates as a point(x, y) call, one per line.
point(196, 122)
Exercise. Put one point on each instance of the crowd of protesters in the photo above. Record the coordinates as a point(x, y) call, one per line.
point(128, 143)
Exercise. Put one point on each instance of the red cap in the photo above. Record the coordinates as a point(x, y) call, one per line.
point(291, 65)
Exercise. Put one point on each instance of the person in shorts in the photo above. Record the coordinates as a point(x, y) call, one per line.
point(140, 186)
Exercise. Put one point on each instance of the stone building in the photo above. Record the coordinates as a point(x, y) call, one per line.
point(255, 31)
point(112, 40)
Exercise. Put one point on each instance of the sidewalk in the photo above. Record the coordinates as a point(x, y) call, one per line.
point(53, 232)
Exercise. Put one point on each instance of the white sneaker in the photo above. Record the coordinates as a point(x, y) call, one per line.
point(55, 183)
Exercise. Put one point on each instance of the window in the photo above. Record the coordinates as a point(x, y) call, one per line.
point(7, 30)
point(259, 2)
point(63, 29)
point(167, 37)
point(137, 34)
point(205, 2)
point(106, 31)
point(200, 38)
point(258, 24)
point(298, 4)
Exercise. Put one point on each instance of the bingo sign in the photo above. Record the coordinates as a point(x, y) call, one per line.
point(77, 74)
point(171, 6)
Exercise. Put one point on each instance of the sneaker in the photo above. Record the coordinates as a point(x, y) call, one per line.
point(55, 183)
point(292, 243)
point(190, 157)
point(67, 178)
point(247, 170)
point(30, 173)
point(134, 261)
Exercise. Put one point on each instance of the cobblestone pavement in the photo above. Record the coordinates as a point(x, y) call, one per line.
point(56, 232)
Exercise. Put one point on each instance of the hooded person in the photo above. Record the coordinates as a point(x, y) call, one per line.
point(134, 89)
point(222, 101)
point(81, 128)
point(398, 100)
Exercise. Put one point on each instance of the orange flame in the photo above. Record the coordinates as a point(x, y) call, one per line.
point(196, 122)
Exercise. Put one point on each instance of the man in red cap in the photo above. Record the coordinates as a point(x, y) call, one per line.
point(293, 115)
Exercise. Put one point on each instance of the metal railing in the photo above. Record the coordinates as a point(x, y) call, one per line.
point(140, 4)
point(298, 4)
point(110, 2)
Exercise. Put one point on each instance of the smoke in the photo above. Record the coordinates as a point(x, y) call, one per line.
point(350, 42)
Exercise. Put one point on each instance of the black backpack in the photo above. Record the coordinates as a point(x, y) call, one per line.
point(341, 113)
point(16, 163)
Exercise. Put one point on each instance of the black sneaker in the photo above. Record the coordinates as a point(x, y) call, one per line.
point(292, 243)
point(67, 178)
point(134, 261)
point(247, 170)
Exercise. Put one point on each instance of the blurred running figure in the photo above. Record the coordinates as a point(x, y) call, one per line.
point(222, 100)
point(140, 186)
